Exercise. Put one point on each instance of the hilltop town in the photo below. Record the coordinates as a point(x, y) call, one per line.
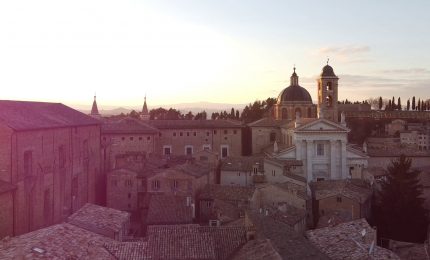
point(298, 183)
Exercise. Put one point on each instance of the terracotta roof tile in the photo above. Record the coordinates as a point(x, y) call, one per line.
point(168, 209)
point(345, 241)
point(99, 219)
point(26, 115)
point(61, 241)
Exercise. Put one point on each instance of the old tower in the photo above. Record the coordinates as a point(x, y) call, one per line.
point(328, 94)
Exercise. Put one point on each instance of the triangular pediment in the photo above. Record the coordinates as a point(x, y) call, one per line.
point(321, 125)
point(353, 153)
point(289, 153)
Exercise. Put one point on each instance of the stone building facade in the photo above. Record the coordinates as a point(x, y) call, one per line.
point(50, 158)
point(186, 137)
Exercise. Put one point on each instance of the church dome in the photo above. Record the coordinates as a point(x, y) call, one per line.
point(294, 93)
point(328, 71)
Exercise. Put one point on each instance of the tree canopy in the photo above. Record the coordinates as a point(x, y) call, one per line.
point(399, 211)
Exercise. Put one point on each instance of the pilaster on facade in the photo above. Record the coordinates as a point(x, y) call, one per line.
point(343, 155)
point(333, 173)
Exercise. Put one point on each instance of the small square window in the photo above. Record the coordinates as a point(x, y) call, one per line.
point(339, 199)
point(148, 138)
point(140, 138)
point(214, 132)
point(225, 132)
point(131, 138)
point(180, 133)
point(188, 133)
point(195, 134)
point(207, 133)
point(234, 131)
point(123, 138)
point(174, 133)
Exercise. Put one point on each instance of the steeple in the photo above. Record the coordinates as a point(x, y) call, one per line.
point(145, 113)
point(145, 107)
point(94, 109)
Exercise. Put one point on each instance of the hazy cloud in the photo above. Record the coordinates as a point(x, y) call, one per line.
point(420, 71)
point(345, 50)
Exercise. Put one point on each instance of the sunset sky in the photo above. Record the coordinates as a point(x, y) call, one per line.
point(213, 51)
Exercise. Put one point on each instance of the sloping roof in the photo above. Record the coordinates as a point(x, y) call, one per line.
point(6, 186)
point(127, 250)
point(287, 242)
point(128, 126)
point(168, 209)
point(353, 189)
point(289, 186)
point(99, 219)
point(29, 115)
point(242, 163)
point(306, 126)
point(268, 122)
point(227, 240)
point(285, 162)
point(195, 124)
point(256, 250)
point(290, 215)
point(229, 193)
point(60, 241)
point(345, 241)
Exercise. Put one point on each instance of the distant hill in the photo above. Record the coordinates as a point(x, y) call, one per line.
point(183, 107)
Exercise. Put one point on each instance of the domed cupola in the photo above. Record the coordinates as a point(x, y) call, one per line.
point(294, 93)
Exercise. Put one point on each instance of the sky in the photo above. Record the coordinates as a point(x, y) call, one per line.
point(209, 51)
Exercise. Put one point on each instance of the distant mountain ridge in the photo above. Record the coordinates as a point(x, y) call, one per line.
point(195, 108)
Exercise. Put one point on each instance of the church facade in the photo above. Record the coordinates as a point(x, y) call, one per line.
point(310, 133)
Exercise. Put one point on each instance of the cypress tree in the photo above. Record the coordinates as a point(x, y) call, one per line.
point(408, 105)
point(399, 211)
point(413, 103)
point(380, 103)
point(399, 104)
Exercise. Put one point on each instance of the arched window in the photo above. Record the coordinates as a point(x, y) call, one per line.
point(329, 101)
point(329, 87)
point(299, 111)
point(284, 113)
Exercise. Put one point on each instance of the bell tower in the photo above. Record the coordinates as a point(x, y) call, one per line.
point(327, 94)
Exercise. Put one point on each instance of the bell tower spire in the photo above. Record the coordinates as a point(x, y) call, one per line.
point(328, 93)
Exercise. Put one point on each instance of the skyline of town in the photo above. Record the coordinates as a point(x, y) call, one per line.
point(232, 53)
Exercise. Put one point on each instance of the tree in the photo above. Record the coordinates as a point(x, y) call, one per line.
point(189, 116)
point(380, 103)
point(413, 103)
point(393, 104)
point(408, 105)
point(201, 116)
point(399, 211)
point(399, 104)
point(419, 105)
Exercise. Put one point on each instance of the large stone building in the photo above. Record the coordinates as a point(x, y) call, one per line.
point(49, 164)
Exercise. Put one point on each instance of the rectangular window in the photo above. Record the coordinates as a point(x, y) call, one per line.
point(128, 183)
point(195, 134)
point(148, 138)
point(207, 147)
point(255, 169)
point(131, 138)
point(174, 133)
point(224, 151)
point(167, 150)
point(175, 184)
point(339, 199)
point(273, 173)
point(188, 133)
point(189, 150)
point(234, 131)
point(140, 138)
point(225, 132)
point(28, 163)
point(129, 195)
point(180, 133)
point(61, 157)
point(320, 149)
point(155, 184)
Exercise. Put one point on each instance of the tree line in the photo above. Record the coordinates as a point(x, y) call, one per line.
point(391, 104)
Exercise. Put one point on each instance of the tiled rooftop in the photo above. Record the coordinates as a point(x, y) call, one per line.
point(194, 124)
point(229, 193)
point(287, 242)
point(269, 122)
point(353, 189)
point(168, 209)
point(128, 126)
point(289, 186)
point(285, 163)
point(345, 241)
point(194, 242)
point(28, 115)
point(127, 250)
point(256, 250)
point(61, 241)
point(289, 215)
point(99, 219)
point(243, 163)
